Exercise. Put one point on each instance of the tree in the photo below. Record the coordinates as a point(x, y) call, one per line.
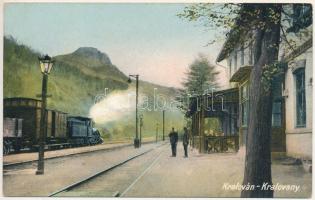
point(201, 76)
point(265, 26)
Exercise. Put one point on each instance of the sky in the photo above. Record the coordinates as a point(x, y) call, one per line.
point(146, 39)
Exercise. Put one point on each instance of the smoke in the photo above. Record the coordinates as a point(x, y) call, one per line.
point(114, 106)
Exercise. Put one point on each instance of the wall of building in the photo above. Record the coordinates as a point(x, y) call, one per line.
point(240, 57)
point(299, 139)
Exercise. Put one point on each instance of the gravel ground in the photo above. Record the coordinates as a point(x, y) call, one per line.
point(59, 172)
point(195, 176)
point(115, 181)
point(205, 176)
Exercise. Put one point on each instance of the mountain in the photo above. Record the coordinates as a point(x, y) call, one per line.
point(92, 62)
point(72, 84)
point(93, 55)
point(75, 81)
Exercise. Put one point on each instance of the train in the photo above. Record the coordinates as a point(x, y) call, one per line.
point(21, 127)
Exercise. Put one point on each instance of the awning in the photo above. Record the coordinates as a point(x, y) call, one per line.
point(241, 74)
point(229, 96)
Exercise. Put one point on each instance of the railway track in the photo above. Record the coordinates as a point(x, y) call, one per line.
point(13, 164)
point(104, 182)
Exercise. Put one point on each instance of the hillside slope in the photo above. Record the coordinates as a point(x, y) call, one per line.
point(74, 83)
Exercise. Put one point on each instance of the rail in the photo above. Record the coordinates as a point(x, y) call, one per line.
point(87, 179)
point(123, 145)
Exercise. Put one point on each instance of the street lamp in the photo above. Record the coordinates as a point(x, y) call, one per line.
point(141, 124)
point(46, 64)
point(136, 140)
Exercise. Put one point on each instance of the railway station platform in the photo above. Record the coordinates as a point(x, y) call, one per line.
point(153, 174)
point(33, 156)
point(211, 176)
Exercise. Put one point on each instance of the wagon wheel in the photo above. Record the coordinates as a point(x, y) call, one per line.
point(95, 141)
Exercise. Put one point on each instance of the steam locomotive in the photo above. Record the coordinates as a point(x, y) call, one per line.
point(21, 127)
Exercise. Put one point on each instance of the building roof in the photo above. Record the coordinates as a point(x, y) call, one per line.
point(10, 99)
point(241, 74)
point(228, 46)
point(230, 96)
point(234, 36)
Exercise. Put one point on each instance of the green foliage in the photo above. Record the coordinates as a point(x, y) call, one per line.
point(212, 126)
point(74, 85)
point(201, 77)
point(237, 22)
point(72, 90)
point(211, 15)
point(270, 72)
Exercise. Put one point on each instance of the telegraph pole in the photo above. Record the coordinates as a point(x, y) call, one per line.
point(157, 130)
point(136, 140)
point(163, 125)
point(141, 124)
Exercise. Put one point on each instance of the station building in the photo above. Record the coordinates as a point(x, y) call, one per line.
point(292, 94)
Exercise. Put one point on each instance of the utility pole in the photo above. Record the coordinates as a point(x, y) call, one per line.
point(137, 143)
point(157, 130)
point(163, 125)
point(141, 124)
point(136, 140)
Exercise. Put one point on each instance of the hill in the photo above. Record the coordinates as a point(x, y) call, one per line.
point(75, 82)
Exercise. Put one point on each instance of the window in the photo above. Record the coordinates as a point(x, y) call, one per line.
point(251, 54)
point(276, 114)
point(235, 61)
point(230, 66)
point(245, 104)
point(300, 97)
point(277, 101)
point(242, 56)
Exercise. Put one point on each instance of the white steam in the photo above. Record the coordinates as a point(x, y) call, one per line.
point(114, 106)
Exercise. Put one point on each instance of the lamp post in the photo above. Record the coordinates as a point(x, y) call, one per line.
point(46, 64)
point(141, 124)
point(136, 140)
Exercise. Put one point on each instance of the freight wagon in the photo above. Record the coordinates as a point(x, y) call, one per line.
point(12, 134)
point(60, 130)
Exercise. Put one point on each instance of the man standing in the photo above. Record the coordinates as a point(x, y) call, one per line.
point(185, 141)
point(173, 140)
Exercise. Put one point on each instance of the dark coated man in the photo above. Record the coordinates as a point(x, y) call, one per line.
point(173, 140)
point(185, 141)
